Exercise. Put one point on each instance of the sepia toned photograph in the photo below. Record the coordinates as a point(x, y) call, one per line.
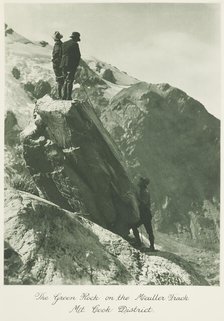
point(112, 144)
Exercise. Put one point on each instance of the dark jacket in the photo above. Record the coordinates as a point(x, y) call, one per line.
point(144, 203)
point(57, 53)
point(70, 55)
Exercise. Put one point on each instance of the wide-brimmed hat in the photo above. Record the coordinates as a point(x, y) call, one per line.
point(75, 35)
point(57, 35)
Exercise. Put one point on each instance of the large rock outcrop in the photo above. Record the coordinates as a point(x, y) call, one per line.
point(45, 244)
point(76, 165)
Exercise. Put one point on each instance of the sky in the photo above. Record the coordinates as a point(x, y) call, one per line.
point(171, 43)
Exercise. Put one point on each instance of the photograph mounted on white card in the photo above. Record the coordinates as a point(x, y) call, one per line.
point(112, 144)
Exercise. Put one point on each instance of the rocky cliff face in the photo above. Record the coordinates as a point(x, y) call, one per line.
point(170, 137)
point(45, 244)
point(76, 165)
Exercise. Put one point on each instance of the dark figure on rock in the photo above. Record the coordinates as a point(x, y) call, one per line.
point(69, 63)
point(56, 60)
point(145, 212)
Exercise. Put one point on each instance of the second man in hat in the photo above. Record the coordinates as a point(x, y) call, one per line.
point(69, 63)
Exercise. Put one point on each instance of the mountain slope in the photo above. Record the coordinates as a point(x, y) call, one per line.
point(170, 137)
point(48, 245)
point(110, 73)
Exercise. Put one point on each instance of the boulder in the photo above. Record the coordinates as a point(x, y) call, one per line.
point(109, 76)
point(42, 88)
point(16, 72)
point(12, 129)
point(75, 164)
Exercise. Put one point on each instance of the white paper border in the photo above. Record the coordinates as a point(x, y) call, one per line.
point(18, 302)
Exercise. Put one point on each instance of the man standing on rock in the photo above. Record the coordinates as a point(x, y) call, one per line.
point(69, 63)
point(56, 59)
point(145, 212)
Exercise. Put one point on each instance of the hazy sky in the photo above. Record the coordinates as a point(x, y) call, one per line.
point(158, 43)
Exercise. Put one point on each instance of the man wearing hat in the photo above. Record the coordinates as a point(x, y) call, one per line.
point(145, 212)
point(69, 63)
point(56, 59)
